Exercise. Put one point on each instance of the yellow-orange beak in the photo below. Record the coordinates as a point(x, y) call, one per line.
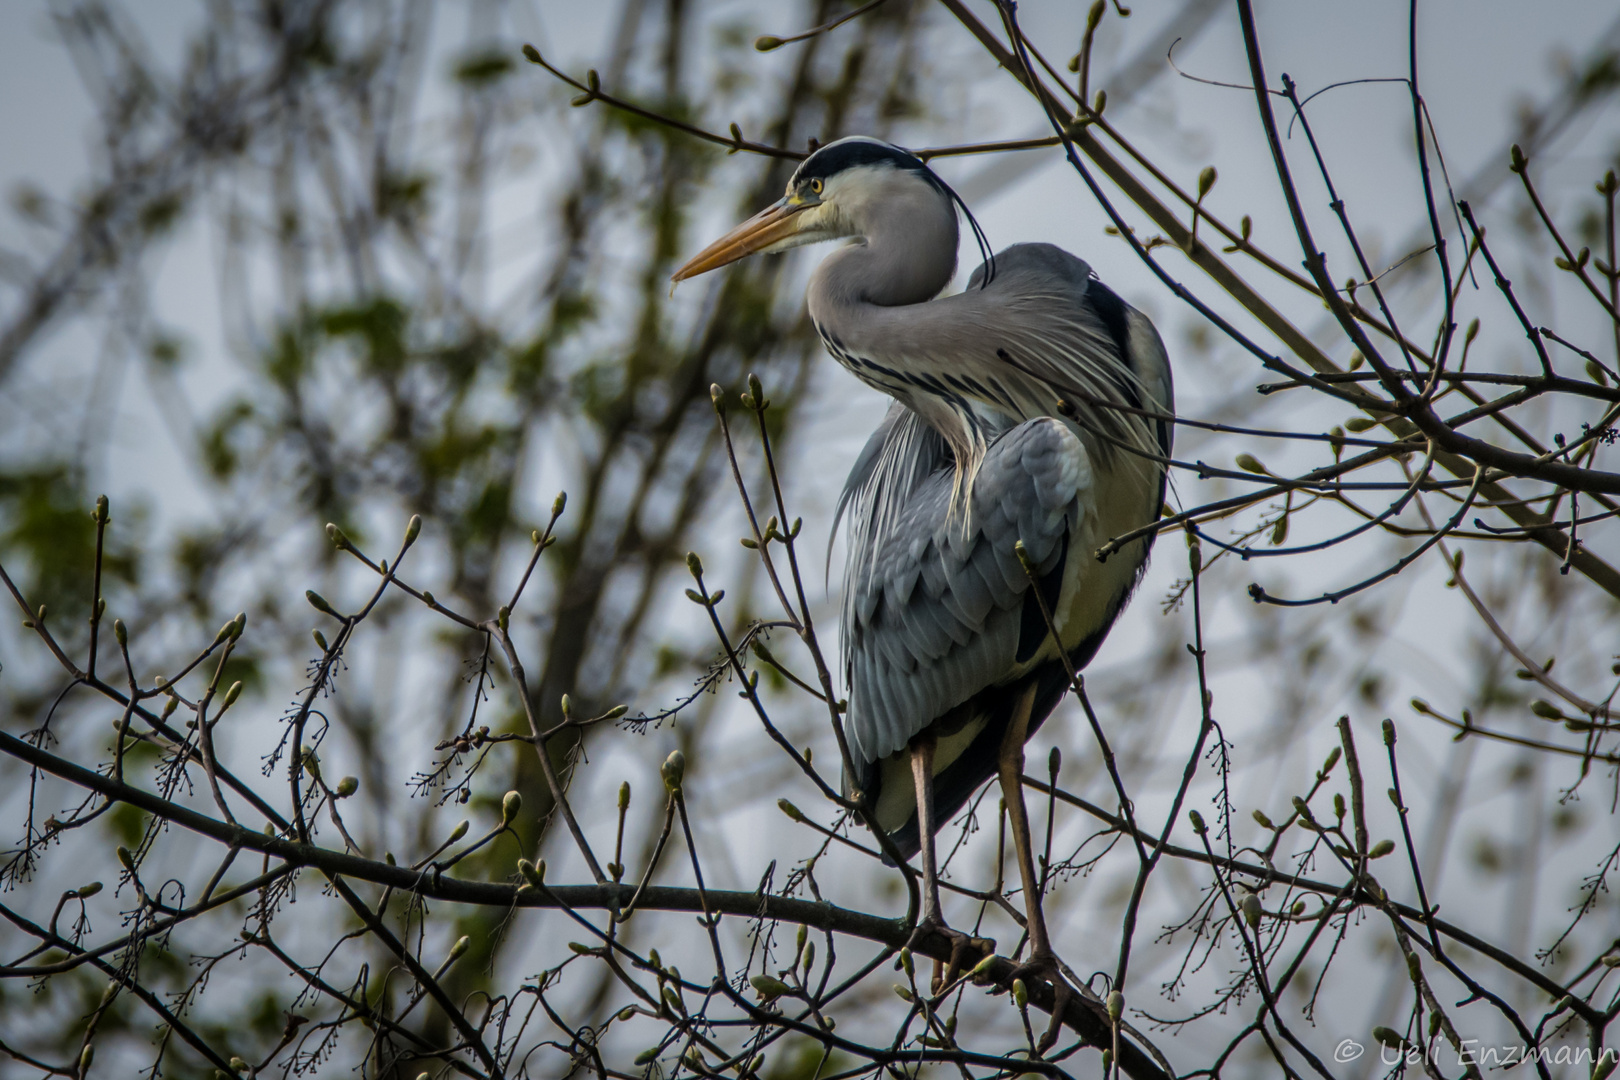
point(764, 230)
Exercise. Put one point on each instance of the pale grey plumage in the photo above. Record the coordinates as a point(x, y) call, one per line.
point(1013, 421)
point(936, 604)
point(933, 610)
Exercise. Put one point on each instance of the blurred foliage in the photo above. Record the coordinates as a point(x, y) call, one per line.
point(387, 359)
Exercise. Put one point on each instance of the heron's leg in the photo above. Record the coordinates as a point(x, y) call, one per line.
point(1041, 962)
point(922, 777)
point(933, 919)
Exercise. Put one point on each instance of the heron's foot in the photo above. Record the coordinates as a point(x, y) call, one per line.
point(966, 950)
point(1044, 966)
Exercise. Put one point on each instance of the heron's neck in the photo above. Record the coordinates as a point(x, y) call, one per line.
point(905, 255)
point(873, 304)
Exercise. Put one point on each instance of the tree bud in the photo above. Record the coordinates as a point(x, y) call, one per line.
point(1250, 463)
point(511, 803)
point(346, 787)
point(318, 602)
point(624, 795)
point(1116, 1005)
point(765, 43)
point(674, 771)
point(1263, 820)
point(769, 989)
point(459, 948)
point(793, 812)
point(126, 858)
point(1206, 180)
point(1380, 849)
point(1388, 1036)
point(231, 695)
point(1250, 906)
point(85, 892)
point(904, 993)
point(458, 832)
point(534, 874)
point(1197, 820)
point(1020, 994)
point(320, 640)
point(413, 529)
point(694, 564)
point(339, 539)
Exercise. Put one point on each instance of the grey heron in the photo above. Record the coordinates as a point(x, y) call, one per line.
point(1034, 406)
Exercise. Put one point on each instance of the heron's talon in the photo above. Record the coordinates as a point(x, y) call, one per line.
point(966, 951)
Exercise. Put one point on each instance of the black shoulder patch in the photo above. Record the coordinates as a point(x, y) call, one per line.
point(1110, 310)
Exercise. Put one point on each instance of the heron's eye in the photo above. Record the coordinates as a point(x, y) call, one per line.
point(815, 187)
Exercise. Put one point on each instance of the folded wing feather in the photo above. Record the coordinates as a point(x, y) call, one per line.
point(932, 613)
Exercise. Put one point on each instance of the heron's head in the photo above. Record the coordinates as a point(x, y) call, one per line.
point(847, 188)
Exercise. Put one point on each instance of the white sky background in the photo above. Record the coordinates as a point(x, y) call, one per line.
point(1480, 61)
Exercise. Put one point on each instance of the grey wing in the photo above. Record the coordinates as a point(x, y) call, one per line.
point(933, 602)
